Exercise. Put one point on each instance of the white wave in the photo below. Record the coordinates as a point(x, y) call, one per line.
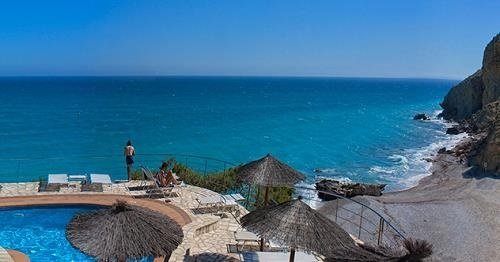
point(379, 169)
point(343, 179)
point(310, 197)
point(419, 166)
point(436, 113)
point(399, 159)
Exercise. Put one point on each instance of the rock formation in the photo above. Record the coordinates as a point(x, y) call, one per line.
point(464, 99)
point(347, 189)
point(421, 117)
point(475, 103)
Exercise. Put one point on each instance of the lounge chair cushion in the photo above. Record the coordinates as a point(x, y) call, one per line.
point(100, 178)
point(237, 197)
point(245, 236)
point(57, 179)
point(210, 200)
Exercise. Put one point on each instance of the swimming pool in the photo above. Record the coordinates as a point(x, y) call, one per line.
point(39, 232)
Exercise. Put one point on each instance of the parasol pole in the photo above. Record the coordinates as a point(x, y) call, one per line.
point(266, 200)
point(292, 254)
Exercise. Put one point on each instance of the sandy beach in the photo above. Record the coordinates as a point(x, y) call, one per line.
point(457, 212)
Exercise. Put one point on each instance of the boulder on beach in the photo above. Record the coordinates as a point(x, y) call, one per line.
point(421, 117)
point(347, 189)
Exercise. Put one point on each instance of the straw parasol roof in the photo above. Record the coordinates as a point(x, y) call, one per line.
point(296, 225)
point(415, 250)
point(124, 231)
point(269, 172)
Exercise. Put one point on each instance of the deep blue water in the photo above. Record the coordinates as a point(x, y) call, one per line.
point(40, 232)
point(361, 129)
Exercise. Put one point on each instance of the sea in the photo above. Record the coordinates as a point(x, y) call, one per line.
point(352, 129)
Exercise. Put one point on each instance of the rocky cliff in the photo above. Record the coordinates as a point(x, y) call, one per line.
point(475, 103)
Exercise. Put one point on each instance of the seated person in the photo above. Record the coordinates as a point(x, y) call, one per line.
point(165, 176)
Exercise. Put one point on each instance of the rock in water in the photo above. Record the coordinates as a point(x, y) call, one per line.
point(421, 117)
point(347, 189)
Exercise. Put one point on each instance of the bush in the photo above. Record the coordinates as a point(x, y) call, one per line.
point(137, 174)
point(276, 194)
point(220, 182)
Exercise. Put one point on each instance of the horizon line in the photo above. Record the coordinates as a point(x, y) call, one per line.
point(222, 75)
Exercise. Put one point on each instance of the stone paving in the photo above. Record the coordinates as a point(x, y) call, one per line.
point(32, 188)
point(208, 235)
point(219, 229)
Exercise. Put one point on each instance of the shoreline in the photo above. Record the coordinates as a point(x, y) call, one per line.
point(454, 210)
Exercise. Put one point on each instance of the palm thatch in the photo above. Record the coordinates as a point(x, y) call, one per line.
point(269, 172)
point(296, 225)
point(416, 251)
point(124, 231)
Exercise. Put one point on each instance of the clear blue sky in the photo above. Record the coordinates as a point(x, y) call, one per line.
point(440, 39)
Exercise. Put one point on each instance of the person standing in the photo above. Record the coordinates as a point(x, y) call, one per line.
point(129, 153)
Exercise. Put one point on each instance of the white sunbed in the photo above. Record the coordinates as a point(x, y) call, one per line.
point(100, 179)
point(276, 257)
point(242, 237)
point(219, 200)
point(210, 201)
point(57, 179)
point(77, 178)
point(237, 197)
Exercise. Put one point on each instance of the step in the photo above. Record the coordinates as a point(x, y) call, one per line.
point(207, 227)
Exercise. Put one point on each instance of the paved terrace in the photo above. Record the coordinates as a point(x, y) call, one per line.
point(204, 232)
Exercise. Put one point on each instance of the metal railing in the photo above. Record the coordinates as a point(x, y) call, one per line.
point(20, 169)
point(357, 218)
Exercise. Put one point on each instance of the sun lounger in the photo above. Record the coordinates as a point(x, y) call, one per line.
point(276, 257)
point(57, 179)
point(229, 202)
point(77, 178)
point(242, 237)
point(209, 201)
point(219, 202)
point(100, 179)
point(157, 188)
point(237, 197)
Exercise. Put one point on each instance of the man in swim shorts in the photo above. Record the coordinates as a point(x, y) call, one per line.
point(129, 153)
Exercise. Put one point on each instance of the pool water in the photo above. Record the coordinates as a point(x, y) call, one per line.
point(39, 232)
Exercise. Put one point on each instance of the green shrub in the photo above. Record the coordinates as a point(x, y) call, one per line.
point(220, 182)
point(276, 195)
point(137, 174)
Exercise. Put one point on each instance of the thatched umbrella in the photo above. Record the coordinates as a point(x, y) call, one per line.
point(296, 225)
point(268, 172)
point(124, 231)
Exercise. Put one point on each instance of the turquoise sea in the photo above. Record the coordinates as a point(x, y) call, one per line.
point(351, 128)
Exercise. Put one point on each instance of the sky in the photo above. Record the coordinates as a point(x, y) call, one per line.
point(423, 39)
